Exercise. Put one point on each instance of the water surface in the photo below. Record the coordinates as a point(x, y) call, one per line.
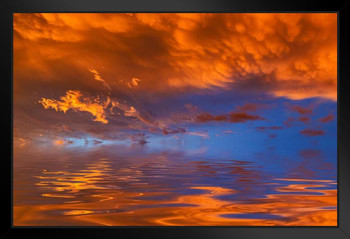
point(118, 185)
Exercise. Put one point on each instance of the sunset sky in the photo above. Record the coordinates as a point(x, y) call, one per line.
point(181, 119)
point(213, 79)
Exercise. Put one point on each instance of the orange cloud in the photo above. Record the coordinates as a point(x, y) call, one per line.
point(101, 109)
point(72, 100)
point(99, 78)
point(285, 55)
point(142, 59)
point(134, 82)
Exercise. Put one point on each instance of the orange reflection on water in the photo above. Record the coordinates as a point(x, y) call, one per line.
point(62, 181)
point(300, 203)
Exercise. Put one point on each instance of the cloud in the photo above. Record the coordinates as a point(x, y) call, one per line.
point(288, 55)
point(237, 117)
point(310, 153)
point(330, 117)
point(103, 109)
point(248, 107)
point(134, 82)
point(301, 110)
point(72, 100)
point(174, 131)
point(131, 112)
point(304, 119)
point(289, 121)
point(312, 132)
point(240, 115)
point(269, 128)
point(100, 109)
point(233, 117)
point(206, 117)
point(147, 60)
point(191, 108)
point(200, 134)
point(99, 78)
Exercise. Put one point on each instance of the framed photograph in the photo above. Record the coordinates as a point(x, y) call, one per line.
point(210, 119)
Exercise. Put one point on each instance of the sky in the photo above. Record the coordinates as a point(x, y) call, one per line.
point(216, 84)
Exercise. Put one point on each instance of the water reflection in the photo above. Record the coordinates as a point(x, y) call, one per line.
point(110, 187)
point(73, 182)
